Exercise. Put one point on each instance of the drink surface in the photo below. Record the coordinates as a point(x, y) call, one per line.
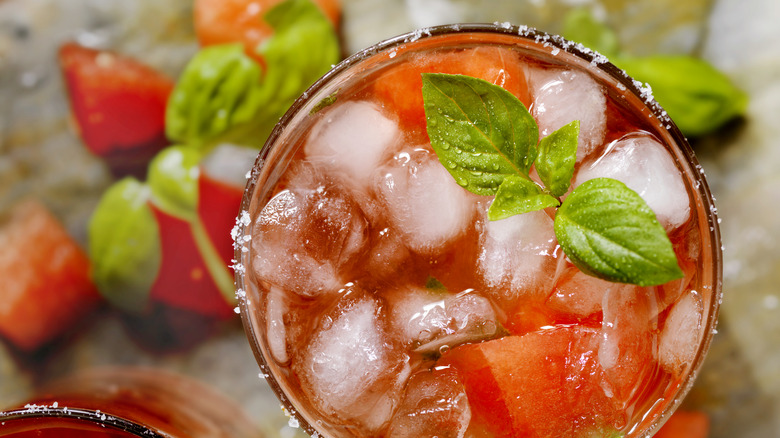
point(59, 428)
point(389, 305)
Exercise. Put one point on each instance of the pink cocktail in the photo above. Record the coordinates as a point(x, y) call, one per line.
point(381, 300)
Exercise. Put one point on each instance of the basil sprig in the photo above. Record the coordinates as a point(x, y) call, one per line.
point(488, 141)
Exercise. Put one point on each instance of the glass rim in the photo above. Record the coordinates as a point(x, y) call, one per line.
point(554, 42)
point(87, 416)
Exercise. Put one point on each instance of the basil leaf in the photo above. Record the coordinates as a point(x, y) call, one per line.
point(173, 180)
point(217, 91)
point(303, 47)
point(516, 196)
point(698, 97)
point(608, 231)
point(124, 245)
point(581, 26)
point(557, 156)
point(480, 132)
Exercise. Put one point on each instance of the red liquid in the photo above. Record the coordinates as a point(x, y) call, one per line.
point(546, 352)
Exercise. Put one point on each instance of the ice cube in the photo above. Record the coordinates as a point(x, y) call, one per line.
point(423, 201)
point(628, 339)
point(644, 165)
point(306, 239)
point(435, 405)
point(351, 368)
point(387, 256)
point(276, 331)
point(679, 338)
point(518, 256)
point(579, 294)
point(351, 141)
point(562, 96)
point(430, 320)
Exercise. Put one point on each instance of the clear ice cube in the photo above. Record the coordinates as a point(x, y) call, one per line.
point(628, 339)
point(580, 294)
point(423, 201)
point(562, 96)
point(518, 256)
point(351, 141)
point(679, 336)
point(432, 320)
point(435, 405)
point(644, 165)
point(351, 368)
point(305, 239)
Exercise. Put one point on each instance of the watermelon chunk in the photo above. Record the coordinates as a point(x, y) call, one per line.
point(546, 383)
point(184, 281)
point(401, 87)
point(685, 424)
point(45, 287)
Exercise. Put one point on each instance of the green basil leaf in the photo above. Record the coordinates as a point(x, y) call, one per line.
point(480, 132)
point(124, 245)
point(608, 231)
point(516, 196)
point(303, 47)
point(581, 26)
point(557, 156)
point(698, 97)
point(217, 91)
point(173, 180)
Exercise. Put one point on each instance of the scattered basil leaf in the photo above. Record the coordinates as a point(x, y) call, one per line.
point(697, 96)
point(225, 96)
point(303, 47)
point(173, 180)
point(480, 132)
point(518, 195)
point(217, 91)
point(608, 231)
point(557, 156)
point(124, 245)
point(581, 26)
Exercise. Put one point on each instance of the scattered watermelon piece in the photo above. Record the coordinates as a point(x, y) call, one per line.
point(218, 204)
point(118, 104)
point(401, 88)
point(184, 281)
point(542, 384)
point(45, 286)
point(685, 424)
point(241, 21)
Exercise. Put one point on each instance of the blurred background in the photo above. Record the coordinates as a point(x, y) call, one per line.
point(43, 158)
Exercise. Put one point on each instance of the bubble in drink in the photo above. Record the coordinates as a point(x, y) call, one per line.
point(384, 302)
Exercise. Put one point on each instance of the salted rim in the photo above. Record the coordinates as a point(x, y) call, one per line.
point(89, 416)
point(555, 42)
